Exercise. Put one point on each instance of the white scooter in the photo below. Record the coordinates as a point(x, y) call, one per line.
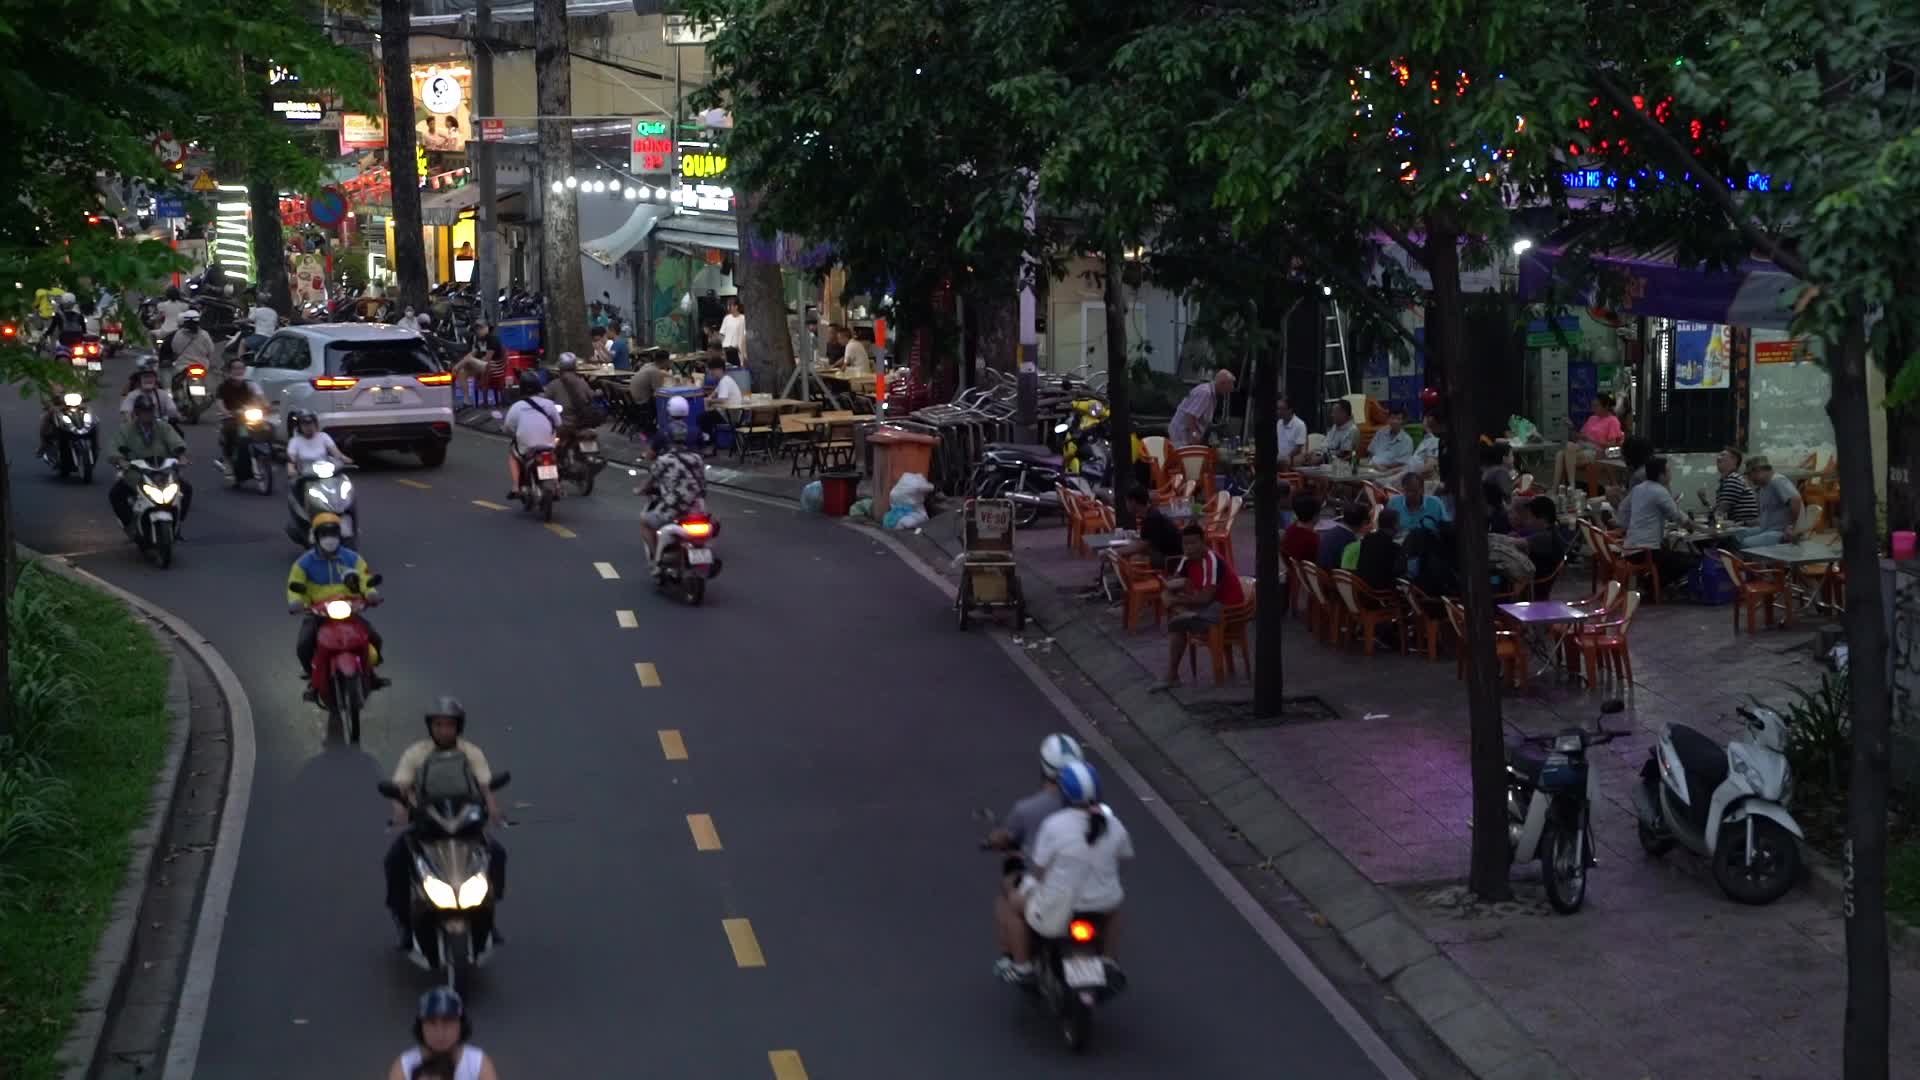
point(1725, 803)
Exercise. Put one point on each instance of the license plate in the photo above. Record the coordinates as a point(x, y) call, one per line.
point(1084, 971)
point(547, 472)
point(113, 335)
point(699, 557)
point(94, 365)
point(589, 446)
point(386, 396)
point(196, 390)
point(160, 515)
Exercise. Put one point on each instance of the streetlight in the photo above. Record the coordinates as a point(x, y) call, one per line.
point(1522, 246)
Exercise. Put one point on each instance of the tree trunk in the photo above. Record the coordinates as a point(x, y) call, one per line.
point(1270, 593)
point(1446, 352)
point(486, 225)
point(409, 255)
point(566, 329)
point(269, 241)
point(1865, 906)
point(7, 569)
point(996, 313)
point(1113, 294)
point(763, 299)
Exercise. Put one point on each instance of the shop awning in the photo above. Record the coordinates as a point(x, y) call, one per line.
point(613, 247)
point(1757, 293)
point(443, 207)
point(718, 233)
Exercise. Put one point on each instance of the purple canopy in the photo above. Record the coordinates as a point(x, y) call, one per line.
point(1759, 293)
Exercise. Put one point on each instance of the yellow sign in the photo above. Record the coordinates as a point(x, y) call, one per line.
point(419, 161)
point(701, 166)
point(204, 182)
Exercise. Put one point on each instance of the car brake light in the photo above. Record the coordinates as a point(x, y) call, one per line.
point(698, 528)
point(9, 330)
point(196, 370)
point(1080, 930)
point(438, 378)
point(333, 382)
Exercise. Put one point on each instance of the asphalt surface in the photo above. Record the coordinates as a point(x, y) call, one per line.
point(839, 733)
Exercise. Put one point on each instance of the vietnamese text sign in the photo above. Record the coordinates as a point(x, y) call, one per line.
point(359, 131)
point(652, 147)
point(1778, 352)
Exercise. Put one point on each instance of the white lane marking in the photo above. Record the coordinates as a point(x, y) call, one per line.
point(606, 570)
point(1296, 960)
point(626, 619)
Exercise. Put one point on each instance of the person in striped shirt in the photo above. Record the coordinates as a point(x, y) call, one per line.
point(1734, 500)
point(1203, 587)
point(1195, 414)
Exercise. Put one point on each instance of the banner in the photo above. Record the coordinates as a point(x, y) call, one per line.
point(442, 107)
point(1779, 352)
point(359, 131)
point(1700, 356)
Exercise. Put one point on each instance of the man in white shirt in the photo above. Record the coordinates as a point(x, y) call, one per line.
point(859, 358)
point(1392, 447)
point(733, 333)
point(1291, 433)
point(170, 311)
point(531, 423)
point(724, 395)
point(1426, 456)
point(1343, 438)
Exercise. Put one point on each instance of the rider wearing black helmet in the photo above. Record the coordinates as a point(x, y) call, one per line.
point(442, 1046)
point(533, 422)
point(427, 768)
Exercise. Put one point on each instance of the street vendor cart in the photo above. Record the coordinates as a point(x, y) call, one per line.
point(989, 578)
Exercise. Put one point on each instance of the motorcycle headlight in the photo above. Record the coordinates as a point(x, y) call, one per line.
point(1060, 428)
point(64, 420)
point(439, 893)
point(72, 401)
point(473, 892)
point(160, 496)
point(339, 609)
point(253, 416)
point(323, 469)
point(318, 496)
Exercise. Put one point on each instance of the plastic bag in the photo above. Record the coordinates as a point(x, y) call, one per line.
point(862, 507)
point(1522, 429)
point(905, 517)
point(813, 498)
point(910, 490)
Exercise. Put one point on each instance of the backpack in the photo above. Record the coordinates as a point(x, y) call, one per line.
point(447, 774)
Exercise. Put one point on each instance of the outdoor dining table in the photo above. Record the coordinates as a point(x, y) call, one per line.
point(1697, 534)
point(1796, 557)
point(1537, 617)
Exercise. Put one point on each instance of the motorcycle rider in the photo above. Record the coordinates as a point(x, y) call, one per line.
point(532, 423)
point(265, 321)
point(676, 477)
point(170, 311)
point(192, 345)
point(145, 438)
point(145, 383)
point(442, 1034)
point(322, 570)
point(69, 324)
point(307, 445)
point(572, 392)
point(1016, 832)
point(1075, 868)
point(48, 408)
point(446, 730)
point(234, 394)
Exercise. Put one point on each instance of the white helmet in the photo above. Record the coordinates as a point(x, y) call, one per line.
point(1056, 750)
point(67, 299)
point(677, 407)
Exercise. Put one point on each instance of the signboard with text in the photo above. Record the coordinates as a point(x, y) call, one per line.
point(492, 130)
point(652, 147)
point(359, 131)
point(442, 116)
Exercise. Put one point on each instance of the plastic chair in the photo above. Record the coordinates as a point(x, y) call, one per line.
point(1507, 648)
point(1604, 645)
point(1755, 590)
point(1197, 464)
point(1369, 608)
point(1086, 516)
point(1142, 589)
point(1426, 616)
point(1222, 637)
point(1325, 617)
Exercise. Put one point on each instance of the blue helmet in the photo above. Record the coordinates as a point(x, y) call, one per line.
point(1079, 783)
point(440, 1003)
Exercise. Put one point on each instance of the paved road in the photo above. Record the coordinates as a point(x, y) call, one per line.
point(838, 733)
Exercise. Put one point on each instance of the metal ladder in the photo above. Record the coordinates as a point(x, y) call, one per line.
point(1336, 381)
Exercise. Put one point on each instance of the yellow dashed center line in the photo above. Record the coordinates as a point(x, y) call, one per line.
point(626, 619)
point(746, 947)
point(672, 745)
point(488, 505)
point(786, 1065)
point(605, 569)
point(560, 531)
point(649, 675)
point(415, 484)
point(705, 836)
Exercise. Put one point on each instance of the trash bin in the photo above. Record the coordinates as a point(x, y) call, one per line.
point(696, 400)
point(896, 452)
point(838, 489)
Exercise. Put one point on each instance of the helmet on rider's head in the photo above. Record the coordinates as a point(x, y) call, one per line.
point(441, 1003)
point(191, 315)
point(677, 407)
point(529, 384)
point(324, 524)
point(67, 299)
point(301, 416)
point(568, 361)
point(142, 404)
point(1079, 784)
point(1056, 750)
point(449, 706)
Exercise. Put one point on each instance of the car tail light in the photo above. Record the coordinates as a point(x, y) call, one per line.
point(9, 330)
point(197, 371)
point(334, 382)
point(438, 378)
point(1080, 930)
point(698, 528)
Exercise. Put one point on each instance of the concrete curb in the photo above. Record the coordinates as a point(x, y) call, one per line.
point(1365, 916)
point(197, 987)
point(113, 955)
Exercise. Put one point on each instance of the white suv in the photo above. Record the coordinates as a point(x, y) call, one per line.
point(373, 387)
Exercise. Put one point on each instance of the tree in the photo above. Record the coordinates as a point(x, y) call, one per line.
point(566, 329)
point(757, 273)
point(409, 254)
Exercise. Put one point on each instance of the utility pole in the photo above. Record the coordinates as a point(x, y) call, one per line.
point(409, 255)
point(486, 238)
point(566, 327)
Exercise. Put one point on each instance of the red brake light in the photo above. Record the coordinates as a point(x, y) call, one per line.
point(198, 371)
point(334, 382)
point(1080, 930)
point(698, 528)
point(438, 378)
point(546, 457)
point(9, 330)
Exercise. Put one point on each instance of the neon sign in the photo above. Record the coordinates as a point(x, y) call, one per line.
point(651, 146)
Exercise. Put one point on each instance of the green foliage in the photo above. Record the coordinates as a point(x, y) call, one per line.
point(1820, 734)
point(1903, 881)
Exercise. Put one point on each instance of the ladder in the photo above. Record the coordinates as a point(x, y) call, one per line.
point(1336, 381)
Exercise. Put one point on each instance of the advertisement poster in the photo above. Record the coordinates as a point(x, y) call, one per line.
point(359, 131)
point(1700, 356)
point(442, 99)
point(308, 273)
point(1775, 348)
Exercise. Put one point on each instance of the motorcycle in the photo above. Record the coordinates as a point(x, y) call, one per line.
point(1023, 474)
point(1550, 793)
point(156, 499)
point(190, 393)
point(343, 656)
point(685, 563)
point(1087, 452)
point(88, 355)
point(321, 489)
point(251, 459)
point(452, 908)
point(580, 460)
point(539, 480)
point(1727, 804)
point(76, 439)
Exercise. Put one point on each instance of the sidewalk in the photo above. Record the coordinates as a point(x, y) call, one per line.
point(1660, 975)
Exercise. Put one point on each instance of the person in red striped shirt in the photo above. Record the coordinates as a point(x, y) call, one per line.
point(1204, 585)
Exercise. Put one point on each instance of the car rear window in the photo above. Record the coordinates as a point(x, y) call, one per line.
point(364, 359)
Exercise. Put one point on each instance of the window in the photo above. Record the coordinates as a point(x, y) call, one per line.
point(286, 352)
point(363, 359)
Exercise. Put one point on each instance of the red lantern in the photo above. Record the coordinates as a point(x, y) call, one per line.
point(1429, 399)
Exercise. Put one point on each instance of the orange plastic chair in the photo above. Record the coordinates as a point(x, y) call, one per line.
point(1604, 645)
point(1220, 639)
point(1086, 516)
point(1197, 465)
point(1756, 591)
point(1424, 614)
point(1369, 608)
point(1143, 590)
point(1507, 648)
point(1325, 617)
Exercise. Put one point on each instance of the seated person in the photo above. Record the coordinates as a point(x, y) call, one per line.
point(1343, 437)
point(1159, 538)
point(1392, 447)
point(1779, 503)
point(1414, 508)
point(1649, 510)
point(1498, 522)
point(1334, 541)
point(1535, 524)
point(1734, 499)
point(1380, 560)
point(724, 394)
point(1197, 598)
point(1302, 539)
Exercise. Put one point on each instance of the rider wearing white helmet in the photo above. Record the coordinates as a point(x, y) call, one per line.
point(1074, 869)
point(1017, 830)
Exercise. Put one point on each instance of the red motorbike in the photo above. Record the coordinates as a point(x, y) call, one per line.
point(343, 657)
